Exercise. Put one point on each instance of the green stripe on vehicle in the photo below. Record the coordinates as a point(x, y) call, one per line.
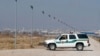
point(72, 41)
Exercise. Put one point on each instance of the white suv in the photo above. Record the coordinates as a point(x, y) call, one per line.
point(78, 41)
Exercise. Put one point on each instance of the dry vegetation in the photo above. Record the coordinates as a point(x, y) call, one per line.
point(97, 38)
point(23, 41)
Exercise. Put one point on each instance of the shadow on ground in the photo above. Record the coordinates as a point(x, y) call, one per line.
point(66, 50)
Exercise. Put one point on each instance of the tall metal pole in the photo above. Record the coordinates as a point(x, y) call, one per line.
point(32, 27)
point(15, 26)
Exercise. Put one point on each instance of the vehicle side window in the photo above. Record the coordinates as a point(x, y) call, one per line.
point(82, 36)
point(72, 37)
point(63, 37)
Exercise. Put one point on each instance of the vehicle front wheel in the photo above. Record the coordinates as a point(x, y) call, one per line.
point(52, 47)
point(79, 47)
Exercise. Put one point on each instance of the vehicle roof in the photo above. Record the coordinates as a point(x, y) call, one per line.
point(71, 33)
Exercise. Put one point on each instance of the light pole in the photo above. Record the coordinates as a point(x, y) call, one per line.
point(62, 22)
point(15, 26)
point(31, 6)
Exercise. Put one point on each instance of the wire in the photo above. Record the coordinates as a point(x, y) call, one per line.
point(62, 22)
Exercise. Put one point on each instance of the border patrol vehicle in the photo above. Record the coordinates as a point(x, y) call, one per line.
point(78, 41)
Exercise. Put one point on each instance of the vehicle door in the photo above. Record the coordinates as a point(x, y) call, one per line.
point(62, 41)
point(72, 41)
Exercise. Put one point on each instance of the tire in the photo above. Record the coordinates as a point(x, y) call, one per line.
point(52, 47)
point(79, 47)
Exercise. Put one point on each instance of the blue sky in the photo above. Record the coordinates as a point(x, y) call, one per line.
point(81, 14)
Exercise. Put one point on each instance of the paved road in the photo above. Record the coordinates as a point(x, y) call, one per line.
point(93, 50)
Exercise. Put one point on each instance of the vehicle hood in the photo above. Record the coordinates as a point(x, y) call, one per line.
point(50, 41)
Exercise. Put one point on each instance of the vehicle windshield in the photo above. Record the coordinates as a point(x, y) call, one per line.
point(58, 37)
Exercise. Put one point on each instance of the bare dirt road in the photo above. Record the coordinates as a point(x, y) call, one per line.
point(93, 50)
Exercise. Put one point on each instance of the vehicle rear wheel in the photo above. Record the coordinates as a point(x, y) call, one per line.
point(79, 47)
point(52, 47)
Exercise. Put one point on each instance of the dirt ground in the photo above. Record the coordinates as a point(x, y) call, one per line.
point(93, 50)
